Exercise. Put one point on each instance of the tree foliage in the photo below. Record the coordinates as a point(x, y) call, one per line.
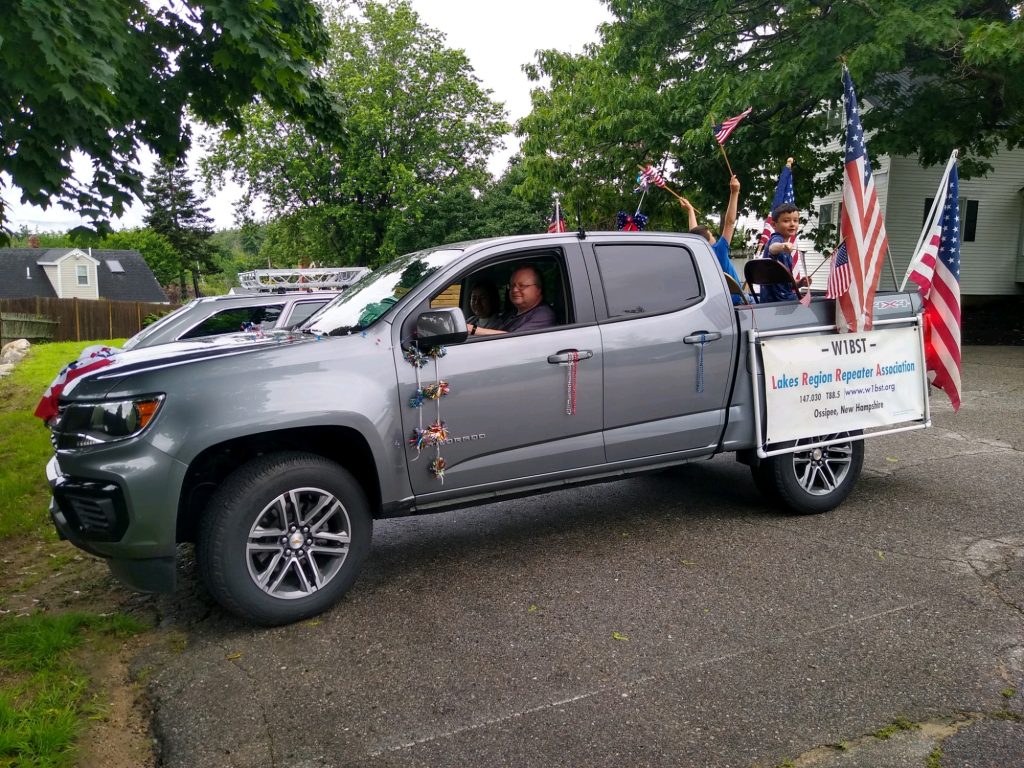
point(417, 125)
point(157, 251)
point(174, 211)
point(939, 74)
point(109, 77)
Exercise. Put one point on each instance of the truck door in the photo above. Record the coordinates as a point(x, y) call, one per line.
point(517, 407)
point(668, 339)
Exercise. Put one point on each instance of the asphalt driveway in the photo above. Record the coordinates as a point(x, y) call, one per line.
point(668, 620)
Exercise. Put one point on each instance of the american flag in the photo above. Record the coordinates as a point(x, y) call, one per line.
point(91, 359)
point(839, 276)
point(557, 221)
point(783, 194)
point(936, 271)
point(725, 128)
point(650, 176)
point(862, 224)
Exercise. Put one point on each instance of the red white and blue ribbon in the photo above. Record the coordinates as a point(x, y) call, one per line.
point(571, 373)
point(91, 359)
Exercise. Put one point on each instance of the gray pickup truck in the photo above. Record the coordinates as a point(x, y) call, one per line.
point(275, 452)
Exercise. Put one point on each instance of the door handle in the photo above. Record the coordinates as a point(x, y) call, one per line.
point(702, 336)
point(564, 356)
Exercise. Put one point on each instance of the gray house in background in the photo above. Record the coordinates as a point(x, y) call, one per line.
point(66, 273)
point(991, 217)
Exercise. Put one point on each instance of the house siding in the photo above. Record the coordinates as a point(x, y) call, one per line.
point(68, 278)
point(990, 265)
point(51, 274)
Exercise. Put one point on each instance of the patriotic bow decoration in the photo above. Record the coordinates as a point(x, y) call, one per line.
point(630, 222)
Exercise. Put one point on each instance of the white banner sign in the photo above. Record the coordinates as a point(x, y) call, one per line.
point(820, 385)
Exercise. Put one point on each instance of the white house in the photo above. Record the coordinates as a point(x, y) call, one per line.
point(66, 273)
point(991, 216)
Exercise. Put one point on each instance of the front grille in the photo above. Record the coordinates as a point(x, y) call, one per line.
point(94, 510)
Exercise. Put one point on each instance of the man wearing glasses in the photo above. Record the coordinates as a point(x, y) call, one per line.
point(526, 292)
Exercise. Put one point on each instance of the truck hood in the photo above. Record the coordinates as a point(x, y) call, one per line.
point(111, 363)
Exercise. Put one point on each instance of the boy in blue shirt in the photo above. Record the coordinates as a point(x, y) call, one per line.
point(786, 220)
point(720, 246)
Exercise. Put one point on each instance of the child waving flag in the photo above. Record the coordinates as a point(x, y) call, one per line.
point(783, 194)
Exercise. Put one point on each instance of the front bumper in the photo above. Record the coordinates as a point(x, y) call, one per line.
point(97, 516)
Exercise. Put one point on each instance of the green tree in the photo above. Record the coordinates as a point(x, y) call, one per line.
point(174, 212)
point(157, 251)
point(26, 238)
point(499, 208)
point(108, 77)
point(416, 124)
point(940, 74)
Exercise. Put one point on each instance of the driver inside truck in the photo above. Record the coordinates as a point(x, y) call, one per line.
point(526, 293)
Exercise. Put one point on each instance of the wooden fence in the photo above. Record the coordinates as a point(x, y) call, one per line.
point(86, 319)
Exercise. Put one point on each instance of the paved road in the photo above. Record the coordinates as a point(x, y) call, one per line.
point(669, 620)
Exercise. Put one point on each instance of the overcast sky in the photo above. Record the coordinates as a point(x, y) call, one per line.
point(497, 38)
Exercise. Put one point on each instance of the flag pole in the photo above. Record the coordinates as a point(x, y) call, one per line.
point(931, 217)
point(643, 194)
point(726, 157)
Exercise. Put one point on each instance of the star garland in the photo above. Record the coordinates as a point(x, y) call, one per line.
point(435, 434)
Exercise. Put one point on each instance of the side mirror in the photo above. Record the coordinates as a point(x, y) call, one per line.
point(437, 327)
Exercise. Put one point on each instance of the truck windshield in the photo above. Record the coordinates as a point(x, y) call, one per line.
point(366, 301)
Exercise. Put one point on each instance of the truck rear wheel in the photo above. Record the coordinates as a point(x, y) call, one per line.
point(283, 538)
point(814, 480)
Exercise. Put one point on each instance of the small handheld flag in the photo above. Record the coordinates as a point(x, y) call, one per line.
point(839, 275)
point(648, 175)
point(724, 129)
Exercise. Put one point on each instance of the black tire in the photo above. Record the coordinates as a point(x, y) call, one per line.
point(283, 538)
point(764, 479)
point(813, 481)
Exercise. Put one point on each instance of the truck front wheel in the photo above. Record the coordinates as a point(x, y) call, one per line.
point(284, 538)
point(812, 480)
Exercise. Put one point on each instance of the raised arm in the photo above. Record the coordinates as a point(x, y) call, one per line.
point(686, 206)
point(729, 224)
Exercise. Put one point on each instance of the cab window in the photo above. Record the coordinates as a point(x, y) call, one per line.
point(554, 278)
point(640, 279)
point(232, 320)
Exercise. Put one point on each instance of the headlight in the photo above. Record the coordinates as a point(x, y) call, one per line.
point(85, 424)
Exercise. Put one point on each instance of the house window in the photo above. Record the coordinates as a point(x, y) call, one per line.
point(825, 214)
point(82, 270)
point(835, 115)
point(968, 217)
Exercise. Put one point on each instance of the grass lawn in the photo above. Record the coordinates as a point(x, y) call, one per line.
point(46, 696)
point(25, 440)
